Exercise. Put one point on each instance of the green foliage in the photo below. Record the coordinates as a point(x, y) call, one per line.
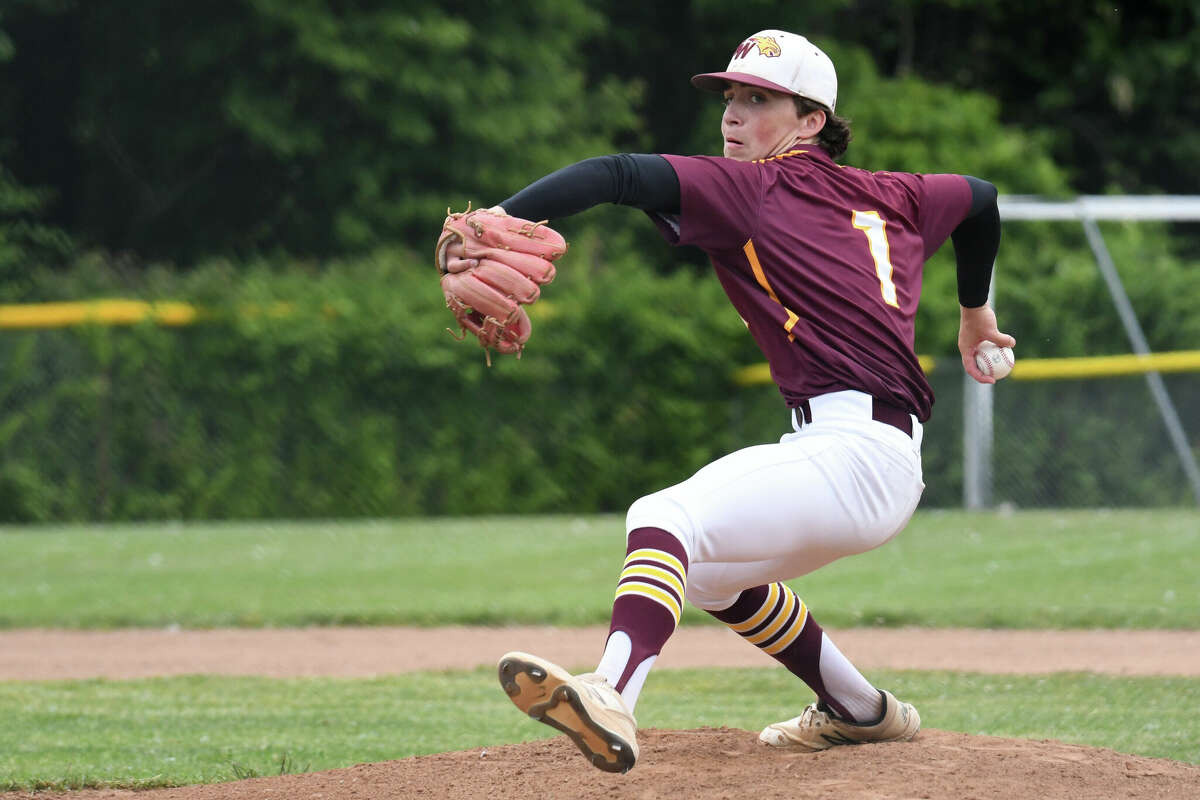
point(332, 388)
point(1108, 88)
point(265, 124)
point(1048, 286)
point(1111, 85)
point(24, 237)
point(338, 391)
point(256, 126)
point(343, 129)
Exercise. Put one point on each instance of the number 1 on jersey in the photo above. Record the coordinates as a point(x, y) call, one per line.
point(871, 224)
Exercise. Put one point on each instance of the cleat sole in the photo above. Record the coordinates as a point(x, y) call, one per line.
point(548, 699)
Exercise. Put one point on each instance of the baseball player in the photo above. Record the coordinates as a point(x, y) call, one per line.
point(824, 264)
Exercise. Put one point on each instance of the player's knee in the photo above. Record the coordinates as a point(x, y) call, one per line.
point(660, 510)
point(709, 598)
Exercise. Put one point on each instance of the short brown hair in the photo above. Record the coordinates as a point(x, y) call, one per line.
point(834, 137)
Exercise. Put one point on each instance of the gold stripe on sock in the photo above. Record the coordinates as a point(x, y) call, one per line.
point(762, 613)
point(780, 619)
point(794, 631)
point(656, 573)
point(653, 593)
point(661, 556)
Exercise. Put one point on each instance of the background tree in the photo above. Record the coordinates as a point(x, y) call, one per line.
point(24, 235)
point(296, 154)
point(313, 127)
point(318, 127)
point(1114, 83)
point(1108, 87)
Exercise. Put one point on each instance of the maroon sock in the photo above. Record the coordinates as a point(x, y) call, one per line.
point(649, 594)
point(774, 619)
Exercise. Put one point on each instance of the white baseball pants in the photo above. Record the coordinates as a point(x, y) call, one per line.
point(837, 486)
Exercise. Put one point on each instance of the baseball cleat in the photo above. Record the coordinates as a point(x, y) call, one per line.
point(818, 729)
point(584, 707)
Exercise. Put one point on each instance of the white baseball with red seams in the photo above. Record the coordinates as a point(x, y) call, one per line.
point(993, 360)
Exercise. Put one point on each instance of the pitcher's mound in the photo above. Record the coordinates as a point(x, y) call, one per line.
point(711, 763)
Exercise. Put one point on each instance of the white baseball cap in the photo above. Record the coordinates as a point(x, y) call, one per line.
point(785, 62)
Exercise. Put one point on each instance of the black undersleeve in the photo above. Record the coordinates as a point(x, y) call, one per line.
point(647, 182)
point(976, 241)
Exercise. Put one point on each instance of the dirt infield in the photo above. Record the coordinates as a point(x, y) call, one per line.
point(363, 652)
point(703, 764)
point(707, 764)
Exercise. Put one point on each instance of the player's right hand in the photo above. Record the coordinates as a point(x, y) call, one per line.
point(978, 325)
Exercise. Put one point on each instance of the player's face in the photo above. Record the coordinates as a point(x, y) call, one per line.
point(758, 123)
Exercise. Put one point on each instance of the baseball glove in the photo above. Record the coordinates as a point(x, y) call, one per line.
point(515, 259)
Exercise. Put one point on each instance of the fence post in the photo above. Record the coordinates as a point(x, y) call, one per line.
point(977, 444)
point(978, 435)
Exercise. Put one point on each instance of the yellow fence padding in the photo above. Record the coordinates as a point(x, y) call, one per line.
point(35, 316)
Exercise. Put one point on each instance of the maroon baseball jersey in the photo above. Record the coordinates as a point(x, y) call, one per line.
point(823, 262)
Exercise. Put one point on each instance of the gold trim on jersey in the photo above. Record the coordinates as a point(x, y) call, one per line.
point(761, 277)
point(781, 155)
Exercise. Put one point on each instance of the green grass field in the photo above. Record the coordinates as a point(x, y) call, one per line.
point(203, 729)
point(172, 731)
point(1026, 570)
point(1128, 569)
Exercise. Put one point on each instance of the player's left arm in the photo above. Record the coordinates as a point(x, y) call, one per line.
point(640, 180)
point(643, 181)
point(976, 242)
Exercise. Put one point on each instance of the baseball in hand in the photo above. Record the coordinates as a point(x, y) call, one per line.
point(993, 360)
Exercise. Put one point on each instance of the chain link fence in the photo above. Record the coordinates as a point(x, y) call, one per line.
point(155, 423)
point(1095, 442)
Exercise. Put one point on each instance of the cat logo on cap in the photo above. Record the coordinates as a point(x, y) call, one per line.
point(767, 47)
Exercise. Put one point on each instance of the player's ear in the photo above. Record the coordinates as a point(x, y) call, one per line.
point(813, 122)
